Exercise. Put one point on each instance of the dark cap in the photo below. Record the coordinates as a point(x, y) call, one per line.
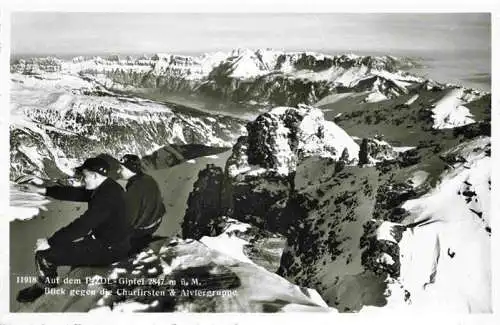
point(98, 165)
point(132, 162)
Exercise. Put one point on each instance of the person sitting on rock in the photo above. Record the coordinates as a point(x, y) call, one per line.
point(99, 237)
point(145, 208)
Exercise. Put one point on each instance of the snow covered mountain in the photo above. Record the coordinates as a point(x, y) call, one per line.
point(243, 75)
point(354, 179)
point(58, 120)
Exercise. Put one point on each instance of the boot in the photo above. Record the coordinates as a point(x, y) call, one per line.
point(30, 294)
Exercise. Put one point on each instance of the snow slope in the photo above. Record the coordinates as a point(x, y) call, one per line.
point(449, 112)
point(228, 244)
point(24, 205)
point(446, 265)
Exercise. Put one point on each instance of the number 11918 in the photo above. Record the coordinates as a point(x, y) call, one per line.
point(26, 279)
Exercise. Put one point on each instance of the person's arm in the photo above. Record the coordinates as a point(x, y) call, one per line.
point(69, 193)
point(66, 193)
point(99, 212)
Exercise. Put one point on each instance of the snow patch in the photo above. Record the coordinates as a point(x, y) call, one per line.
point(385, 231)
point(333, 98)
point(339, 139)
point(418, 178)
point(375, 97)
point(237, 226)
point(402, 149)
point(449, 111)
point(412, 99)
point(246, 66)
point(128, 307)
point(386, 259)
point(228, 243)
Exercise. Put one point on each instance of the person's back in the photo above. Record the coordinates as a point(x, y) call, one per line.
point(144, 202)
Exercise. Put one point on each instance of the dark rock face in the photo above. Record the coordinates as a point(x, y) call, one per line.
point(242, 192)
point(256, 199)
point(327, 233)
point(390, 197)
point(263, 137)
point(473, 130)
point(363, 152)
point(319, 204)
point(409, 158)
point(373, 151)
point(261, 140)
point(173, 154)
point(260, 201)
point(205, 207)
point(379, 256)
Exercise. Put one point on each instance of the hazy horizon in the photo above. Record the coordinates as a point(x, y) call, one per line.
point(70, 33)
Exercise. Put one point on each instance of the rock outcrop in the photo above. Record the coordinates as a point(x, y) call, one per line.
point(177, 276)
point(263, 164)
point(205, 205)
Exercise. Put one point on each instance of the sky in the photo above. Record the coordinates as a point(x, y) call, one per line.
point(70, 33)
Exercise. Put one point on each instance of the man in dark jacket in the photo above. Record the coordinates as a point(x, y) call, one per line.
point(145, 208)
point(98, 237)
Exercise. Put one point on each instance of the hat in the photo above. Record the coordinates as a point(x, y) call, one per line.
point(114, 165)
point(97, 165)
point(132, 162)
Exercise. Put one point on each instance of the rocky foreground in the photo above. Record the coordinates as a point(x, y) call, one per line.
point(177, 276)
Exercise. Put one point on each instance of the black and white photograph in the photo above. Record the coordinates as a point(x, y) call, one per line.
point(250, 162)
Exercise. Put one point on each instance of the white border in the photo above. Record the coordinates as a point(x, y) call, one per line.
point(4, 157)
point(309, 6)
